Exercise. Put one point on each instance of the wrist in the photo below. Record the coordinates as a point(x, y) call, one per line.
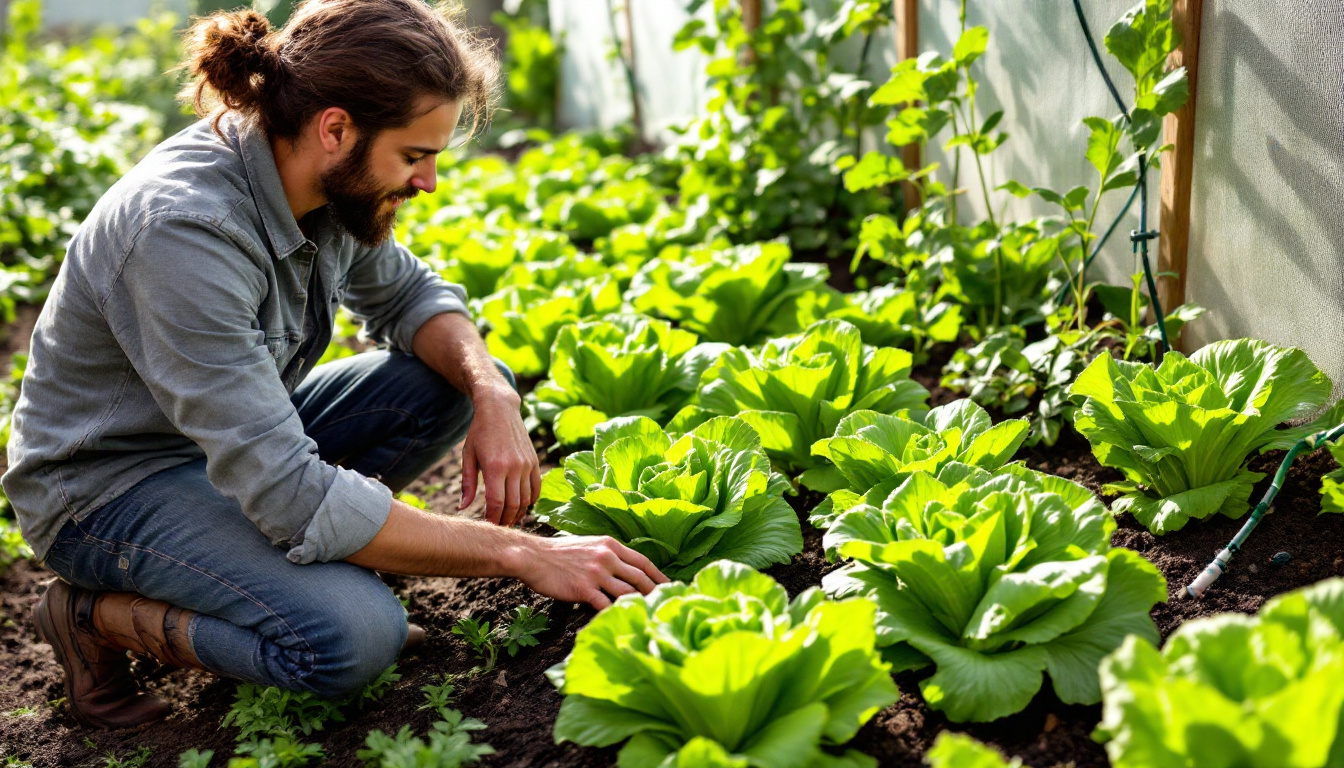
point(495, 392)
point(519, 556)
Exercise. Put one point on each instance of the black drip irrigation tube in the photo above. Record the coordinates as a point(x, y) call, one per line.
point(1218, 566)
point(1138, 238)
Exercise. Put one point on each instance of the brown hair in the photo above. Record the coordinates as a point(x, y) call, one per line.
point(372, 58)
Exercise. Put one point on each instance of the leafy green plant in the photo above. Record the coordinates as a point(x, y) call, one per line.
point(275, 752)
point(708, 495)
point(481, 638)
point(195, 758)
point(955, 750)
point(261, 711)
point(1182, 433)
point(449, 745)
point(892, 316)
point(759, 159)
point(624, 365)
point(873, 450)
point(1233, 691)
point(796, 389)
point(740, 295)
point(532, 64)
point(525, 319)
point(994, 580)
point(137, 759)
point(525, 623)
point(728, 659)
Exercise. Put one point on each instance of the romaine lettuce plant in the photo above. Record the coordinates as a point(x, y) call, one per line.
point(739, 295)
point(624, 365)
point(728, 659)
point(994, 581)
point(524, 319)
point(871, 450)
point(1233, 691)
point(1182, 433)
point(796, 390)
point(710, 495)
point(956, 750)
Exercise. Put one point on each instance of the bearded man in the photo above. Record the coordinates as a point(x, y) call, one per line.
point(206, 495)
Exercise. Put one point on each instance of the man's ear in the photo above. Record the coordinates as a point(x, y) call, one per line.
point(335, 130)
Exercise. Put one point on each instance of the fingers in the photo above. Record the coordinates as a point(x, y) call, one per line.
point(469, 472)
point(615, 587)
point(536, 483)
point(494, 494)
point(512, 497)
point(635, 578)
point(598, 600)
point(643, 563)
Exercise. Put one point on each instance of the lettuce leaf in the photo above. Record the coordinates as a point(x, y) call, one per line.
point(1233, 691)
point(1182, 433)
point(726, 659)
point(709, 495)
point(738, 295)
point(796, 390)
point(869, 448)
point(994, 580)
point(525, 319)
point(623, 365)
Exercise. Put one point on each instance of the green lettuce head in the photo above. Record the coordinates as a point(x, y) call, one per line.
point(873, 450)
point(730, 660)
point(1233, 691)
point(1182, 433)
point(623, 365)
point(796, 390)
point(994, 580)
point(709, 495)
point(525, 319)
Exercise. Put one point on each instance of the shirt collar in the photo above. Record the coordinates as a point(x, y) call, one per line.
point(264, 177)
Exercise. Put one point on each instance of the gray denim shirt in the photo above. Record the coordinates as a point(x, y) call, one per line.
point(180, 303)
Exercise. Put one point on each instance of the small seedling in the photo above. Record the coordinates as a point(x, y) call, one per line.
point(136, 760)
point(440, 696)
point(526, 623)
point(481, 638)
point(195, 758)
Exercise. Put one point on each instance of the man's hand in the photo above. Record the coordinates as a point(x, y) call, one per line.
point(579, 569)
point(497, 443)
point(585, 569)
point(499, 447)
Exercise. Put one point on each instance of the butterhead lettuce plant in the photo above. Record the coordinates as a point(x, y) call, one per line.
point(525, 319)
point(743, 294)
point(1233, 691)
point(623, 365)
point(1182, 432)
point(871, 450)
point(994, 581)
point(727, 658)
point(795, 390)
point(708, 495)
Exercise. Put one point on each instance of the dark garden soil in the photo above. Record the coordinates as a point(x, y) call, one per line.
point(520, 706)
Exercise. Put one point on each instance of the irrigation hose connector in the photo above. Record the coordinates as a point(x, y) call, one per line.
point(1209, 575)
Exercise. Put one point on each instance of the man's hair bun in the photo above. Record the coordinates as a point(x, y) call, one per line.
point(231, 60)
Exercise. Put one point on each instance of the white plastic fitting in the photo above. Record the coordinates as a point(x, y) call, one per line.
point(1210, 574)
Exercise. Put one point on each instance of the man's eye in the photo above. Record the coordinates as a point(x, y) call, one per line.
point(413, 160)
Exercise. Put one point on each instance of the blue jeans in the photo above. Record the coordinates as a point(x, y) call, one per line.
point(330, 627)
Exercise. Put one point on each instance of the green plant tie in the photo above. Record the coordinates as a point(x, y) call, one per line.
point(1218, 566)
point(1140, 237)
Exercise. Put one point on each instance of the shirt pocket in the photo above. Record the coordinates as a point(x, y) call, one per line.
point(281, 345)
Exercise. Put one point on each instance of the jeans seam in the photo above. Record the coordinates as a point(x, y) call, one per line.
point(387, 470)
point(308, 651)
point(359, 414)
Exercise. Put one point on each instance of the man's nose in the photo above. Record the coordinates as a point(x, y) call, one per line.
point(425, 181)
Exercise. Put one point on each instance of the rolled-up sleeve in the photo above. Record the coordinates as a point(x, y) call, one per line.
point(393, 293)
point(183, 307)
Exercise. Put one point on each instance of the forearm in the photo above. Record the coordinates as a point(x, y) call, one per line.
point(450, 344)
point(417, 543)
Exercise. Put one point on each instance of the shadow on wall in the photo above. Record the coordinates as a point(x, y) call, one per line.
point(1269, 181)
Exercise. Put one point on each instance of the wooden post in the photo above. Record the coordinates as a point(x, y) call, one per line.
point(907, 47)
point(1178, 164)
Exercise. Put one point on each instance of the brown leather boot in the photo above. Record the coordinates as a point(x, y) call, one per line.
point(90, 633)
point(415, 637)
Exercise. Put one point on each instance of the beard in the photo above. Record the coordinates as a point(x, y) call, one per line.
point(355, 199)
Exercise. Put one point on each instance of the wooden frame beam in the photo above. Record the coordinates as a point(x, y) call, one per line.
point(907, 47)
point(1178, 164)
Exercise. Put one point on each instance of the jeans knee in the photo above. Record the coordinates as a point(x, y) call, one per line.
point(356, 650)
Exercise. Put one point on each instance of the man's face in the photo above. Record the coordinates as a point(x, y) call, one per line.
point(365, 188)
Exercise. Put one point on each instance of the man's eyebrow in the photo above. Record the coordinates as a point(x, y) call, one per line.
point(423, 150)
